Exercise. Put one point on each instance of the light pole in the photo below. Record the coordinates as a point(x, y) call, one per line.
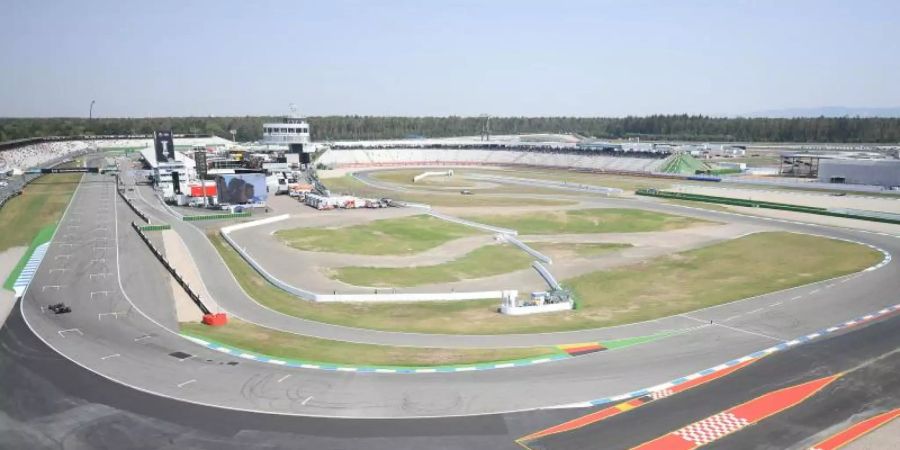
point(91, 111)
point(233, 135)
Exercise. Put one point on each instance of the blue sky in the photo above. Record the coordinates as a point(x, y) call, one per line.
point(575, 58)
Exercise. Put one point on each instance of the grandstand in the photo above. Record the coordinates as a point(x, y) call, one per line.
point(557, 157)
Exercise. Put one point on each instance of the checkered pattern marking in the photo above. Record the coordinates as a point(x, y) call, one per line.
point(712, 428)
point(662, 393)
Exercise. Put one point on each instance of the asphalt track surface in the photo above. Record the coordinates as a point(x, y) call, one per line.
point(872, 387)
point(134, 345)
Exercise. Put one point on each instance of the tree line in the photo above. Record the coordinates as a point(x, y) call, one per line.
point(327, 128)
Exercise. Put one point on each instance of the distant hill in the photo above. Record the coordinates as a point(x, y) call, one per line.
point(828, 111)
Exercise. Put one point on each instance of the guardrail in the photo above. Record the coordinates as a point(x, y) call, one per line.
point(162, 259)
point(763, 204)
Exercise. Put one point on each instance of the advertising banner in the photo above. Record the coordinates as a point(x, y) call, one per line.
point(164, 145)
point(200, 161)
point(241, 188)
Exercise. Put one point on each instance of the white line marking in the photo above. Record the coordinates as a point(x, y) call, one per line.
point(114, 314)
point(114, 355)
point(284, 378)
point(306, 401)
point(62, 333)
point(751, 332)
point(141, 338)
point(797, 297)
point(186, 383)
point(51, 286)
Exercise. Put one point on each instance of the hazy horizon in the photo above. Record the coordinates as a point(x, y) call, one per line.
point(461, 58)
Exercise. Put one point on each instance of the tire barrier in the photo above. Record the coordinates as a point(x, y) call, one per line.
point(215, 216)
point(769, 205)
point(208, 317)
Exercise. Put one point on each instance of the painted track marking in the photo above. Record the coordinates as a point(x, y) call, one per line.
point(856, 431)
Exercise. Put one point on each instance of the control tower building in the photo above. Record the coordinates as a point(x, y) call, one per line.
point(293, 132)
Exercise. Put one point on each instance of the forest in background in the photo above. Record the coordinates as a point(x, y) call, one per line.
point(328, 128)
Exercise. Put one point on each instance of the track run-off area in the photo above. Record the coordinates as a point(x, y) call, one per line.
point(122, 329)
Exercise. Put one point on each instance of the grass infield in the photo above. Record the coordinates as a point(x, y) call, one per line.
point(682, 282)
point(349, 185)
point(483, 262)
point(280, 344)
point(598, 220)
point(399, 236)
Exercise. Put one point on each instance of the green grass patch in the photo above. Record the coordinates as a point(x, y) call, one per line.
point(399, 236)
point(349, 185)
point(479, 263)
point(720, 273)
point(599, 220)
point(581, 249)
point(41, 204)
point(280, 344)
point(741, 268)
point(43, 236)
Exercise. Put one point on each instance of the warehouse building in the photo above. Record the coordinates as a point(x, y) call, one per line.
point(875, 172)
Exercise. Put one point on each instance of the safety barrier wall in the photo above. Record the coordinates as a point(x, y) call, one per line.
point(473, 224)
point(255, 223)
point(164, 226)
point(214, 216)
point(553, 184)
point(384, 296)
point(546, 275)
point(411, 297)
point(527, 249)
point(226, 234)
point(129, 202)
point(762, 204)
point(162, 259)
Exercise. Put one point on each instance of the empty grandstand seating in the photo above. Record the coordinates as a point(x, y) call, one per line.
point(387, 157)
point(36, 155)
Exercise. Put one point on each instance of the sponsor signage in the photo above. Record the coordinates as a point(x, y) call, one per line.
point(200, 162)
point(164, 146)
